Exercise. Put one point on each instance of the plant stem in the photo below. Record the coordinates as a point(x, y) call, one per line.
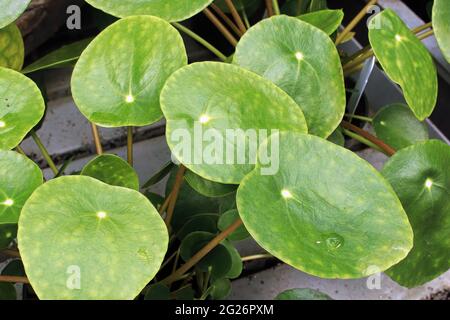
point(361, 139)
point(165, 204)
point(236, 16)
point(269, 5)
point(231, 39)
point(276, 7)
point(20, 150)
point(226, 19)
point(381, 144)
point(44, 152)
point(202, 253)
point(354, 116)
point(245, 17)
point(130, 146)
point(426, 34)
point(173, 255)
point(11, 253)
point(97, 141)
point(200, 40)
point(174, 194)
point(354, 22)
point(257, 257)
point(422, 27)
point(14, 279)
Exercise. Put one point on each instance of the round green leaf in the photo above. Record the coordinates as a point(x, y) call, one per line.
point(217, 260)
point(397, 126)
point(100, 241)
point(7, 291)
point(420, 175)
point(326, 20)
point(11, 10)
point(112, 170)
point(216, 123)
point(207, 187)
point(302, 294)
point(21, 107)
point(171, 10)
point(118, 78)
point(221, 289)
point(200, 222)
point(406, 61)
point(8, 232)
point(19, 177)
point(157, 291)
point(292, 54)
point(226, 220)
point(12, 51)
point(333, 216)
point(236, 261)
point(441, 25)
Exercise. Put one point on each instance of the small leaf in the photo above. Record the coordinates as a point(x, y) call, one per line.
point(406, 61)
point(112, 170)
point(106, 242)
point(226, 220)
point(208, 188)
point(236, 261)
point(21, 107)
point(12, 51)
point(121, 87)
point(218, 259)
point(225, 100)
point(171, 10)
point(11, 10)
point(221, 289)
point(60, 57)
point(420, 176)
point(441, 25)
point(200, 222)
point(302, 294)
point(155, 199)
point(157, 291)
point(326, 20)
point(292, 54)
point(8, 232)
point(19, 178)
point(334, 208)
point(396, 125)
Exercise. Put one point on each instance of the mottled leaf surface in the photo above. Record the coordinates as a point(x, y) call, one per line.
point(11, 10)
point(420, 175)
point(19, 177)
point(406, 61)
point(441, 25)
point(223, 98)
point(78, 228)
point(12, 50)
point(21, 107)
point(333, 216)
point(112, 170)
point(303, 61)
point(171, 10)
point(118, 78)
